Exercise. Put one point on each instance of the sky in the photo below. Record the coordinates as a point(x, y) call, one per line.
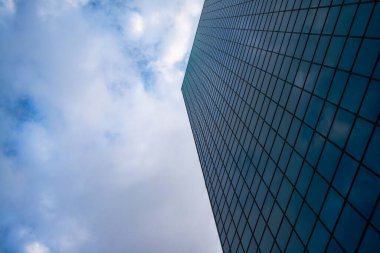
point(96, 150)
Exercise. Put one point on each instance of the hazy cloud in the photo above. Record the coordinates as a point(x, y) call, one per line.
point(96, 153)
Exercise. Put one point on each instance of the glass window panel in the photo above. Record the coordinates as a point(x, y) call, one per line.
point(333, 53)
point(334, 247)
point(323, 83)
point(371, 104)
point(284, 193)
point(301, 45)
point(361, 19)
point(303, 139)
point(259, 229)
point(345, 174)
point(301, 74)
point(326, 119)
point(293, 99)
point(308, 21)
point(275, 218)
point(283, 234)
point(293, 131)
point(294, 167)
point(331, 209)
point(302, 104)
point(292, 44)
point(276, 182)
point(349, 229)
point(312, 77)
point(247, 235)
point(341, 127)
point(267, 241)
point(367, 56)
point(370, 241)
point(372, 156)
point(295, 245)
point(359, 138)
point(319, 239)
point(310, 47)
point(354, 92)
point(304, 178)
point(329, 160)
point(345, 19)
point(349, 53)
point(313, 111)
point(365, 191)
point(315, 149)
point(294, 207)
point(317, 191)
point(331, 20)
point(337, 87)
point(374, 24)
point(300, 20)
point(376, 217)
point(319, 20)
point(321, 50)
point(305, 223)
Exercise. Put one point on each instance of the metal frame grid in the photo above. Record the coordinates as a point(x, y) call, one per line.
point(283, 101)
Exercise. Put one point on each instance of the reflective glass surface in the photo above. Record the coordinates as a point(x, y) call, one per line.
point(283, 99)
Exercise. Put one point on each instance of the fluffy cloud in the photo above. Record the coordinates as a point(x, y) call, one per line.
point(96, 153)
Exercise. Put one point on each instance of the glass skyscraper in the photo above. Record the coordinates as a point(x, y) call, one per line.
point(283, 99)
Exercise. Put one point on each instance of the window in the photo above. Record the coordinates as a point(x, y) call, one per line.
point(341, 127)
point(366, 60)
point(294, 167)
point(324, 81)
point(326, 119)
point(304, 178)
point(329, 160)
point(294, 207)
point(318, 239)
point(333, 53)
point(345, 174)
point(313, 111)
point(337, 87)
point(349, 228)
point(303, 139)
point(305, 223)
point(316, 194)
point(319, 20)
point(354, 92)
point(359, 138)
point(371, 104)
point(365, 191)
point(374, 24)
point(331, 209)
point(361, 19)
point(331, 19)
point(345, 19)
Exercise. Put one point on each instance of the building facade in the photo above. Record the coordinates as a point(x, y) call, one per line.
point(283, 98)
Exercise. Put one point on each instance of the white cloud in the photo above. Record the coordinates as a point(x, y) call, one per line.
point(46, 8)
point(9, 5)
point(7, 8)
point(107, 162)
point(36, 247)
point(135, 25)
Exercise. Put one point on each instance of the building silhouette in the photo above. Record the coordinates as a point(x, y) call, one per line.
point(283, 99)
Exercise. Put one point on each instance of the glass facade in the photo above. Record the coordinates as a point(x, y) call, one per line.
point(283, 99)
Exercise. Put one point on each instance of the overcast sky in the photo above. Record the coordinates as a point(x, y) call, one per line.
point(96, 151)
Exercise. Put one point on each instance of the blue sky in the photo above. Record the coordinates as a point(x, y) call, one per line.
point(96, 152)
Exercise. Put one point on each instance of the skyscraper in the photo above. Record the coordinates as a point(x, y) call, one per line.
point(283, 99)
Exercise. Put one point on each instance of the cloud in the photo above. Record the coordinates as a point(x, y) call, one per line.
point(7, 6)
point(36, 247)
point(96, 153)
